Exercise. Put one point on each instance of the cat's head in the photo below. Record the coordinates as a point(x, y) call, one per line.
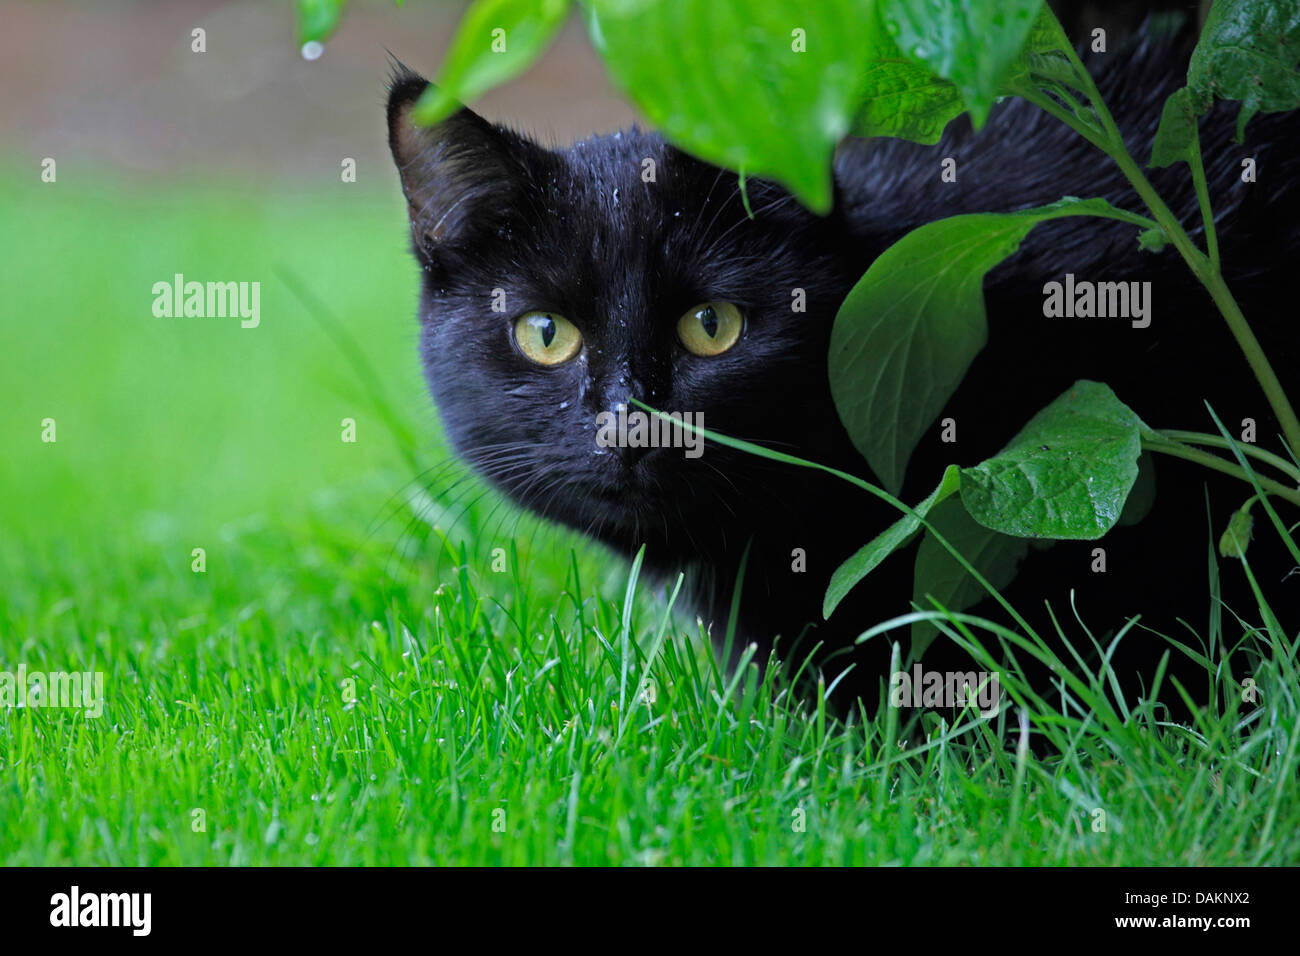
point(559, 283)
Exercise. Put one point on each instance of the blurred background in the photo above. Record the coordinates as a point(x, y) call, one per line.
point(223, 165)
point(113, 84)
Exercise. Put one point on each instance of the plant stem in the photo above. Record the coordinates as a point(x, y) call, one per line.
point(1201, 438)
point(1216, 463)
point(1045, 103)
point(1205, 269)
point(1203, 200)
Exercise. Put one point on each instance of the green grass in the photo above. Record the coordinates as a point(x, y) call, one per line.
point(350, 682)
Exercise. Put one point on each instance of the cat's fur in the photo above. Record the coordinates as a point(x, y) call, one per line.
point(578, 232)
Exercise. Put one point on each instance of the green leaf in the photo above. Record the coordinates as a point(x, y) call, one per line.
point(907, 99)
point(939, 574)
point(1047, 37)
point(907, 332)
point(974, 43)
point(1248, 51)
point(318, 19)
point(1046, 57)
point(1177, 136)
point(869, 556)
point(901, 98)
point(1054, 68)
point(495, 42)
point(726, 81)
point(1236, 537)
point(1066, 475)
point(1153, 239)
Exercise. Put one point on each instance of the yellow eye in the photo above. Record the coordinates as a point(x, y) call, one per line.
point(711, 328)
point(547, 338)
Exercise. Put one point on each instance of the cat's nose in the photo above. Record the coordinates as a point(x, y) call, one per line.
point(622, 390)
point(618, 438)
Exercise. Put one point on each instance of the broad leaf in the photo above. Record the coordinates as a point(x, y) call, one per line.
point(937, 573)
point(909, 100)
point(1046, 38)
point(1045, 62)
point(867, 558)
point(1177, 135)
point(1248, 51)
point(769, 88)
point(495, 42)
point(908, 331)
point(1066, 475)
point(974, 43)
point(902, 98)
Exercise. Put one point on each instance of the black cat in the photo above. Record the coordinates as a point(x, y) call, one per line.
point(557, 284)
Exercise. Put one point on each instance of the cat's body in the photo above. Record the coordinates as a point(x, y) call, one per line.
point(579, 233)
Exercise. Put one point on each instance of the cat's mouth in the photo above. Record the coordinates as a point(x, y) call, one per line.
point(625, 498)
point(636, 484)
point(632, 496)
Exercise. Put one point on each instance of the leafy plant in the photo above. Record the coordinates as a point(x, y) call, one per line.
point(933, 304)
point(908, 331)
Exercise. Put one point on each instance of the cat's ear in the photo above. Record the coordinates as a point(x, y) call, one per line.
point(460, 177)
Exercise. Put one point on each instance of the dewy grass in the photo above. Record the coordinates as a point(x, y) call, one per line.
point(350, 681)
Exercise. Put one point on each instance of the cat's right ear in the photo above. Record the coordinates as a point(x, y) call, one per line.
point(459, 176)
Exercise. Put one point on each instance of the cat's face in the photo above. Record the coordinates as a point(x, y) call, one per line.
point(558, 284)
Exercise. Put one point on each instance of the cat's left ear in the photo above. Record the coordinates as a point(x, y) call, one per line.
point(460, 177)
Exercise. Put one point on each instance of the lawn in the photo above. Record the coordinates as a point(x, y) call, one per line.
point(382, 663)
